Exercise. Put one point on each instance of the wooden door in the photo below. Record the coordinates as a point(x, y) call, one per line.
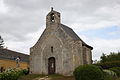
point(51, 65)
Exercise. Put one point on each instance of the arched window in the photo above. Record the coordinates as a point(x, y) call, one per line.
point(52, 49)
point(52, 17)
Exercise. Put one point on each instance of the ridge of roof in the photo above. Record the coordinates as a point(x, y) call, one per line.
point(16, 52)
point(71, 33)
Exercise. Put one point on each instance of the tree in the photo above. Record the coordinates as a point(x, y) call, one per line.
point(103, 58)
point(1, 42)
point(110, 58)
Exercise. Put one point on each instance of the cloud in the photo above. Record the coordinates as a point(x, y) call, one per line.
point(102, 45)
point(104, 33)
point(105, 46)
point(3, 7)
point(23, 45)
point(23, 21)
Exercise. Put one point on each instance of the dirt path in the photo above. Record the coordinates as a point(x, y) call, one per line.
point(43, 78)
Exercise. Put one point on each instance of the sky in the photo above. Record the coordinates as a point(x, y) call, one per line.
point(97, 22)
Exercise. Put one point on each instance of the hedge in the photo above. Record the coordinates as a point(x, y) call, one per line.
point(88, 72)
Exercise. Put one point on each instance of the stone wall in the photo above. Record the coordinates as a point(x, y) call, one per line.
point(68, 52)
point(62, 51)
point(87, 55)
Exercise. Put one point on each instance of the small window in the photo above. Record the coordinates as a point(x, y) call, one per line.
point(52, 49)
point(52, 17)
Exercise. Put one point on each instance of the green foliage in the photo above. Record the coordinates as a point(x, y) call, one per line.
point(88, 72)
point(109, 75)
point(116, 70)
point(103, 58)
point(24, 72)
point(111, 57)
point(107, 65)
point(30, 76)
point(11, 74)
point(109, 61)
point(108, 78)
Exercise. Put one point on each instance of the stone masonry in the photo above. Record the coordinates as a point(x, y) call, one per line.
point(59, 49)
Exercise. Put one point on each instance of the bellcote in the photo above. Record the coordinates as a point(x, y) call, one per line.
point(52, 18)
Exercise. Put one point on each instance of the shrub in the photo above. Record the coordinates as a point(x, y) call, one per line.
point(8, 75)
point(109, 78)
point(109, 75)
point(116, 70)
point(24, 72)
point(0, 76)
point(11, 74)
point(88, 72)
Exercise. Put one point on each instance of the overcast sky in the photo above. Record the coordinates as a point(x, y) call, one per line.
point(97, 22)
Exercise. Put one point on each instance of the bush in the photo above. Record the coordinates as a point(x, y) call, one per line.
point(116, 70)
point(109, 78)
point(11, 74)
point(24, 72)
point(88, 72)
point(108, 65)
point(109, 75)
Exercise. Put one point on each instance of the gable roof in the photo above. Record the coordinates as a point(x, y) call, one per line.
point(73, 35)
point(12, 55)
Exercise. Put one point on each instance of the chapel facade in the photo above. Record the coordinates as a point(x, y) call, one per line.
point(59, 49)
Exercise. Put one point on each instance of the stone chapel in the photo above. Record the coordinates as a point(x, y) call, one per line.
point(59, 49)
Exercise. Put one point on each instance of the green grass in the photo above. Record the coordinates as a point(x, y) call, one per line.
point(60, 77)
point(30, 76)
point(118, 79)
point(53, 77)
point(108, 78)
point(63, 78)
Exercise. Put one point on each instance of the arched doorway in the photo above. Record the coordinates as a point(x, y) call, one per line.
point(51, 65)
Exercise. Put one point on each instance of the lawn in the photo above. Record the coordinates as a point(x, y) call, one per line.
point(118, 79)
point(60, 77)
point(30, 76)
point(52, 77)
